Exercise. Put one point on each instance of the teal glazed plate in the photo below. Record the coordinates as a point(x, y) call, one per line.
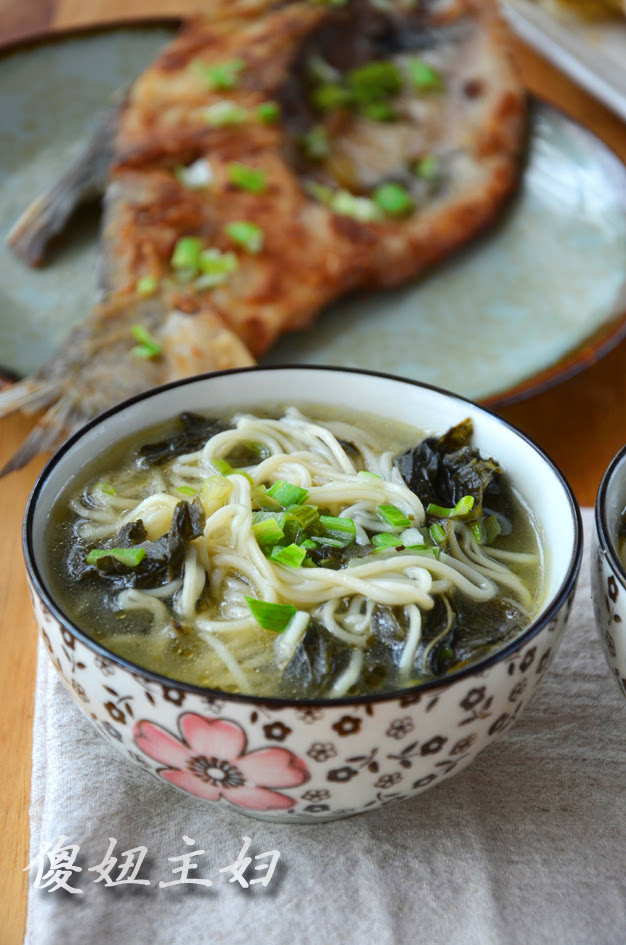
point(536, 299)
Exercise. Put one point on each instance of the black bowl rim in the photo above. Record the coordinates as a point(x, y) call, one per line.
point(475, 669)
point(602, 524)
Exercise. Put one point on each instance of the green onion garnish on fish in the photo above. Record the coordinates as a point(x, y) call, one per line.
point(131, 557)
point(224, 114)
point(268, 113)
point(247, 235)
point(223, 75)
point(147, 347)
point(394, 200)
point(374, 82)
point(392, 515)
point(215, 267)
point(146, 286)
point(427, 168)
point(186, 253)
point(269, 616)
point(423, 76)
point(253, 179)
point(106, 487)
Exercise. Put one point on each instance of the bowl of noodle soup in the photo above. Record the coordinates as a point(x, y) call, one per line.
point(319, 589)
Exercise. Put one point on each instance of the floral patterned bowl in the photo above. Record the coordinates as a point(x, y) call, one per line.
point(305, 761)
point(608, 572)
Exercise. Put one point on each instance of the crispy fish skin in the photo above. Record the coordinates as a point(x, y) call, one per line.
point(311, 254)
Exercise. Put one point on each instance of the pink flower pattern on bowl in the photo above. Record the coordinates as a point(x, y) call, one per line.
point(211, 762)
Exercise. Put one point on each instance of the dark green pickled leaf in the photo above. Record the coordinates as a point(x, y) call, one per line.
point(164, 558)
point(192, 434)
point(318, 661)
point(442, 471)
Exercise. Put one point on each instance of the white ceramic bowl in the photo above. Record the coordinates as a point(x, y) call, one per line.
point(608, 574)
point(308, 761)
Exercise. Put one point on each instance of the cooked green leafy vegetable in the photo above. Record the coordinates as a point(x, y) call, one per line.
point(443, 470)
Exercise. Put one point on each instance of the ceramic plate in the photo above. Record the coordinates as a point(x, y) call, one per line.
point(591, 53)
point(524, 306)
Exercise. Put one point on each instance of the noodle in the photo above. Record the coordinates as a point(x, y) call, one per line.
point(226, 564)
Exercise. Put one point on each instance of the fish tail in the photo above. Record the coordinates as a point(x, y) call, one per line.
point(85, 179)
point(28, 395)
point(59, 422)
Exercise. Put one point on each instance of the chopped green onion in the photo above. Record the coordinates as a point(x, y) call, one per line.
point(186, 253)
point(223, 114)
point(374, 81)
point(253, 179)
point(187, 490)
point(392, 515)
point(423, 550)
point(478, 531)
point(377, 111)
point(463, 506)
point(146, 286)
point(226, 469)
point(366, 474)
point(437, 533)
point(264, 501)
point(267, 532)
point(216, 267)
point(106, 487)
point(131, 557)
point(446, 653)
point(303, 515)
point(394, 200)
point(423, 76)
point(269, 616)
point(287, 494)
point(308, 543)
point(385, 540)
point(223, 75)
point(492, 528)
point(197, 176)
point(327, 540)
point(329, 96)
point(315, 143)
point(427, 168)
point(147, 347)
point(215, 491)
point(339, 529)
point(268, 113)
point(247, 235)
point(360, 208)
point(291, 555)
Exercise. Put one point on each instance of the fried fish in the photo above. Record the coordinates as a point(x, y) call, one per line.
point(273, 157)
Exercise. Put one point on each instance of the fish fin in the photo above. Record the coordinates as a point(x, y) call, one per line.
point(59, 422)
point(28, 395)
point(86, 178)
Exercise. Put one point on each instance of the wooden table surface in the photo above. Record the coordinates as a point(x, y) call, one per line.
point(582, 423)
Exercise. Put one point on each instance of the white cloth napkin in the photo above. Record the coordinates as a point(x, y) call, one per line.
point(525, 847)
